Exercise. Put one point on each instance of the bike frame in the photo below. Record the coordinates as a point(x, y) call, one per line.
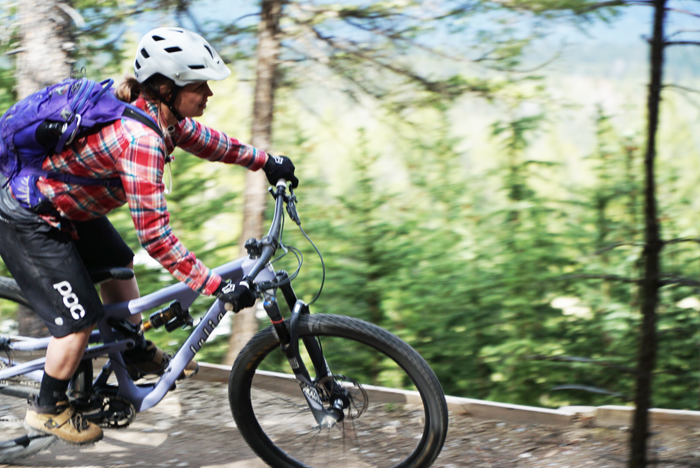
point(256, 267)
point(143, 397)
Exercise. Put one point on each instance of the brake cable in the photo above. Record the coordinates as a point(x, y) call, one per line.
point(323, 265)
point(292, 210)
point(294, 216)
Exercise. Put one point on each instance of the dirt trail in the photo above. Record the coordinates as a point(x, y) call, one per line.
point(192, 427)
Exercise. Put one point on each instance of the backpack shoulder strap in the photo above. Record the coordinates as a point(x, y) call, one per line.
point(137, 114)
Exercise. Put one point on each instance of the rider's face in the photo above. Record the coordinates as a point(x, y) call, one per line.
point(192, 99)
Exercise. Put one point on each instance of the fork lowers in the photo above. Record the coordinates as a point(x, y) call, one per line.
point(330, 420)
point(337, 410)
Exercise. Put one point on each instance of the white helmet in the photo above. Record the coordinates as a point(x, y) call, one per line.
point(178, 54)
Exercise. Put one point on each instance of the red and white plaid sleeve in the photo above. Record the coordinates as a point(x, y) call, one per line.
point(213, 145)
point(141, 170)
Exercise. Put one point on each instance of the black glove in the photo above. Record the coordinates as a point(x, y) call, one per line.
point(235, 297)
point(280, 167)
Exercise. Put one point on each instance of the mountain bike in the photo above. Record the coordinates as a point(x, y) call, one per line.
point(332, 412)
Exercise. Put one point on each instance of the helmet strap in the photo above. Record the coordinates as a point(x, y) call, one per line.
point(168, 102)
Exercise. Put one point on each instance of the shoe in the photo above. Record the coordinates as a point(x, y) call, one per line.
point(63, 422)
point(153, 361)
point(150, 360)
point(189, 371)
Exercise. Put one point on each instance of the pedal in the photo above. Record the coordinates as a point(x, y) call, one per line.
point(112, 412)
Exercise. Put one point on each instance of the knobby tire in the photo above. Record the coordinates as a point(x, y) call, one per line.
point(281, 431)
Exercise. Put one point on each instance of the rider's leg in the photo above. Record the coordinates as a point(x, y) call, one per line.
point(114, 291)
point(52, 413)
point(64, 354)
point(145, 357)
point(101, 246)
point(47, 267)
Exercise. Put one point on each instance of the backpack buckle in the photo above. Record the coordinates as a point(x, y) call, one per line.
point(69, 133)
point(79, 119)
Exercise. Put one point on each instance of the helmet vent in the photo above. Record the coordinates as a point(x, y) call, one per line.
point(158, 38)
point(144, 53)
point(173, 49)
point(196, 67)
point(138, 65)
point(209, 50)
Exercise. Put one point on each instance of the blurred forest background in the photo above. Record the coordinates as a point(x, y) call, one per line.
point(464, 167)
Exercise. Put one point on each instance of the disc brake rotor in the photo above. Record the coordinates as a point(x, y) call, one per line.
point(355, 393)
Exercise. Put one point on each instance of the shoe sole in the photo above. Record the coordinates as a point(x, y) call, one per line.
point(33, 430)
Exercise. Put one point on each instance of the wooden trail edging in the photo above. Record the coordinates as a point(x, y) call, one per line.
point(566, 416)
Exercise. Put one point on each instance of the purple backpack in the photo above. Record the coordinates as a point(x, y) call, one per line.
point(47, 121)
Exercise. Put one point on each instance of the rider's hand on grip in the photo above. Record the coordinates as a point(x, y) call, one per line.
point(236, 296)
point(280, 167)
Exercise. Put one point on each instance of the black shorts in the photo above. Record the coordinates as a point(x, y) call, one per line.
point(51, 267)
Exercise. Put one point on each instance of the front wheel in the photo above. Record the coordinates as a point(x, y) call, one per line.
point(380, 429)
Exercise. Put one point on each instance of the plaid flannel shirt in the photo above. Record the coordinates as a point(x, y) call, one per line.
point(136, 154)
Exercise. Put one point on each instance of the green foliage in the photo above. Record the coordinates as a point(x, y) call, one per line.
point(486, 271)
point(588, 10)
point(483, 281)
point(7, 84)
point(8, 47)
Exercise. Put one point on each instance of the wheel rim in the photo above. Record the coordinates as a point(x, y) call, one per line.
point(385, 432)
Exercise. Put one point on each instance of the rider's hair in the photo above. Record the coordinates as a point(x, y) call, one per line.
point(130, 89)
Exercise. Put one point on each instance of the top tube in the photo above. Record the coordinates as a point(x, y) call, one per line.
point(234, 270)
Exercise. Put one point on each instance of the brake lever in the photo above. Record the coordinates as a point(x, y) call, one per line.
point(292, 207)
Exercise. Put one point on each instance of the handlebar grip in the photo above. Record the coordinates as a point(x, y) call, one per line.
point(281, 182)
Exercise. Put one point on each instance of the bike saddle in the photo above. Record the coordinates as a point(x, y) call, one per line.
point(104, 274)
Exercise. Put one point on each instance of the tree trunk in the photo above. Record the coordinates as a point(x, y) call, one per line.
point(245, 324)
point(650, 283)
point(45, 40)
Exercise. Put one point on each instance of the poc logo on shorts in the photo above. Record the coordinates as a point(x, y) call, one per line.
point(70, 299)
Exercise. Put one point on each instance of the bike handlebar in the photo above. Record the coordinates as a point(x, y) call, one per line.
point(271, 241)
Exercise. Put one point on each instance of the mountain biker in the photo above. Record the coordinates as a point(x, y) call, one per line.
point(50, 250)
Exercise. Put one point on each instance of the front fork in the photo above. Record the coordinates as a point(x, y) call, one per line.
point(289, 344)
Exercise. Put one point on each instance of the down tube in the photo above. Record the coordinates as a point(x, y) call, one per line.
point(186, 353)
point(192, 346)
